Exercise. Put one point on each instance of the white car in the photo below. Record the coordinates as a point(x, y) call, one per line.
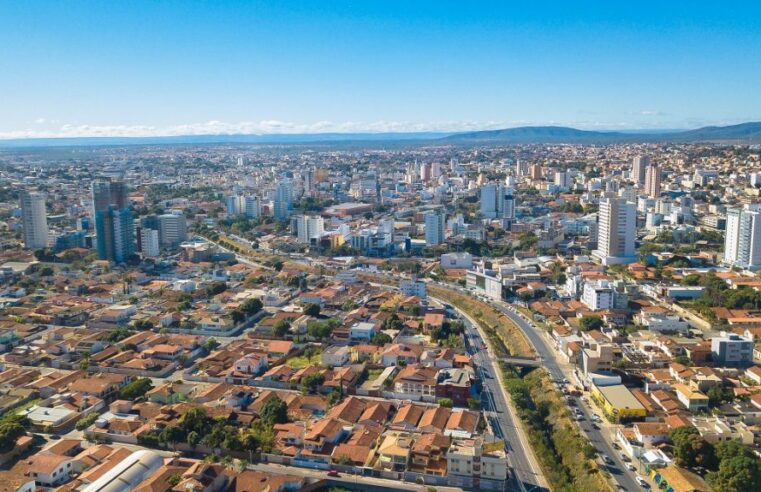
point(642, 483)
point(631, 467)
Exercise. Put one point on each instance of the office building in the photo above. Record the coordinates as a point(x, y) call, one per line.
point(742, 241)
point(639, 165)
point(653, 181)
point(283, 202)
point(434, 227)
point(617, 227)
point(34, 219)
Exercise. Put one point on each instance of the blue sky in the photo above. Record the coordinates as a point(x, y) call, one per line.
point(161, 67)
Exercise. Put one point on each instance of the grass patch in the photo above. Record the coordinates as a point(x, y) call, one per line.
point(301, 361)
point(502, 332)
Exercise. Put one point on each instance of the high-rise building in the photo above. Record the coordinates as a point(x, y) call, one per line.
point(617, 227)
point(563, 180)
point(653, 181)
point(34, 219)
point(107, 192)
point(497, 202)
point(115, 230)
point(149, 242)
point(639, 164)
point(173, 230)
point(742, 241)
point(435, 223)
point(535, 172)
point(253, 207)
point(283, 202)
point(308, 227)
point(114, 224)
point(235, 205)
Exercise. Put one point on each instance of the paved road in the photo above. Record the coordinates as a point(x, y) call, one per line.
point(526, 473)
point(356, 481)
point(536, 337)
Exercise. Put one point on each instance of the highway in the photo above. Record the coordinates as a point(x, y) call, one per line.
point(549, 357)
point(526, 474)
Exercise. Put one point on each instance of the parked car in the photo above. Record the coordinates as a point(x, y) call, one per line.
point(631, 467)
point(606, 459)
point(333, 473)
point(642, 483)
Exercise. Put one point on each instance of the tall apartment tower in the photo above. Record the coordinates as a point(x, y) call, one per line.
point(653, 181)
point(283, 202)
point(114, 223)
point(498, 202)
point(308, 227)
point(742, 241)
point(435, 222)
point(617, 227)
point(639, 165)
point(34, 219)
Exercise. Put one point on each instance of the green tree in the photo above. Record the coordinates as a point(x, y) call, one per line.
point(690, 449)
point(312, 309)
point(590, 322)
point(718, 395)
point(251, 306)
point(274, 411)
point(380, 339)
point(445, 402)
point(136, 389)
point(281, 328)
point(683, 359)
point(9, 434)
point(737, 474)
point(311, 382)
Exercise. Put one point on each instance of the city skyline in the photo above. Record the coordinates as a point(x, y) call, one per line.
point(178, 69)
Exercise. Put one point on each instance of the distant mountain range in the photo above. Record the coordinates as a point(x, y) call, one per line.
point(744, 133)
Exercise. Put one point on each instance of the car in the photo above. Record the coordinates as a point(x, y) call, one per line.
point(631, 467)
point(642, 483)
point(616, 446)
point(333, 473)
point(606, 459)
point(624, 457)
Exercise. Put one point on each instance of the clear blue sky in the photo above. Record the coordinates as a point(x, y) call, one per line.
point(152, 67)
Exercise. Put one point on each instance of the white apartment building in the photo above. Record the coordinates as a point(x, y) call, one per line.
point(742, 241)
point(149, 240)
point(253, 207)
point(497, 202)
point(413, 288)
point(308, 227)
point(639, 165)
point(173, 229)
point(616, 231)
point(598, 295)
point(34, 219)
point(434, 227)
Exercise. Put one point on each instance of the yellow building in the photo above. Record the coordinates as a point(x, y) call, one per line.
point(618, 402)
